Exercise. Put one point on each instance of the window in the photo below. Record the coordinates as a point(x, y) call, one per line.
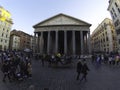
point(116, 4)
point(118, 10)
point(105, 28)
point(105, 24)
point(0, 47)
point(111, 12)
point(112, 31)
point(106, 33)
point(107, 49)
point(103, 40)
point(115, 15)
point(106, 38)
point(118, 31)
point(113, 38)
point(5, 41)
point(2, 34)
point(116, 23)
point(113, 9)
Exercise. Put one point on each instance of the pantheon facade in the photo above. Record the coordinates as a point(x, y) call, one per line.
point(62, 34)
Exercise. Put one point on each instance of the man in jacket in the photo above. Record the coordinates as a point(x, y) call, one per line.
point(79, 68)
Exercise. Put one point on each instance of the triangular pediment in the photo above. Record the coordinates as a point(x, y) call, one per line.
point(61, 19)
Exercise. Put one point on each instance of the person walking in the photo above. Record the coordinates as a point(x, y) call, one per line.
point(79, 68)
point(29, 70)
point(42, 57)
point(84, 71)
point(6, 71)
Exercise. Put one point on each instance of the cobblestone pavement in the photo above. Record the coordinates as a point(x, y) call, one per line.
point(103, 77)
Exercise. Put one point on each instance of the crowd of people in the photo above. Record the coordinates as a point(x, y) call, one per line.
point(113, 59)
point(53, 59)
point(15, 65)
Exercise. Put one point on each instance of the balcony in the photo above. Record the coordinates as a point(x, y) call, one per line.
point(9, 21)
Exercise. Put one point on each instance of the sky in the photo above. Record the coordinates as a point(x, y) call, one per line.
point(27, 13)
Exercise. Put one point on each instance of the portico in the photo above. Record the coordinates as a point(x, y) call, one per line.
point(63, 34)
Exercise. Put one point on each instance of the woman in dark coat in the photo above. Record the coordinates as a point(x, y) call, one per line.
point(84, 71)
point(79, 68)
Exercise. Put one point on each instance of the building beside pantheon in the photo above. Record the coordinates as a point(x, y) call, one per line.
point(62, 34)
